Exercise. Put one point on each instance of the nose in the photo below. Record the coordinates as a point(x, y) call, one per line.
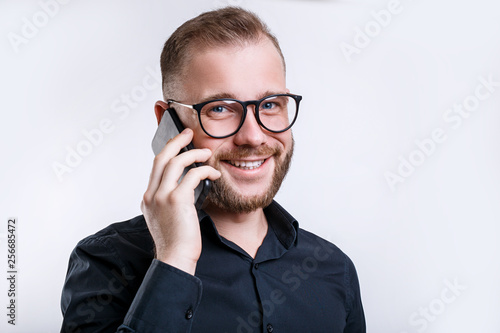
point(251, 133)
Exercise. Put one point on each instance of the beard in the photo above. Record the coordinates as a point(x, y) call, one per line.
point(223, 196)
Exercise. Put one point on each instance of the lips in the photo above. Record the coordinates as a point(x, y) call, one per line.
point(246, 165)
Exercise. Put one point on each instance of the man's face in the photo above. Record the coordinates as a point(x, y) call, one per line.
point(253, 162)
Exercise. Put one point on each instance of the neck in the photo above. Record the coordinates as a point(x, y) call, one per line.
point(247, 230)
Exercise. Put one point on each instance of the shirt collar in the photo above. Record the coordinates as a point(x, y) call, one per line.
point(283, 225)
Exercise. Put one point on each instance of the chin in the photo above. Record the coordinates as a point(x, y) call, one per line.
point(227, 199)
point(231, 195)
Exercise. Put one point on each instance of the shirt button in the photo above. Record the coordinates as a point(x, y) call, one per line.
point(270, 328)
point(189, 314)
point(256, 266)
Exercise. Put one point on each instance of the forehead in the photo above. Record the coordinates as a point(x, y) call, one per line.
point(240, 71)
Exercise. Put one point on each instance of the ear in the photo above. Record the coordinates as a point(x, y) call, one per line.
point(160, 107)
point(287, 90)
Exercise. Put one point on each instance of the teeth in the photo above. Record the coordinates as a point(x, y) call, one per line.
point(246, 165)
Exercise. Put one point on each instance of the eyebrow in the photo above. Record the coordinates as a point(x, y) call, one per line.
point(231, 96)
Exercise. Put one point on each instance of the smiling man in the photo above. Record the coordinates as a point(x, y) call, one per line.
point(241, 263)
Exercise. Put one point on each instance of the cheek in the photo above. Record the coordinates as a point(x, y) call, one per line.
point(188, 119)
point(285, 140)
point(198, 141)
point(201, 140)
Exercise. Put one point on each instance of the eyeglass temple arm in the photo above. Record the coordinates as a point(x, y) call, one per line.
point(170, 101)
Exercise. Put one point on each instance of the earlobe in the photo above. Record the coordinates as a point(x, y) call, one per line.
point(160, 107)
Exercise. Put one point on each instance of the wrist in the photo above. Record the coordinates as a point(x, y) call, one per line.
point(187, 265)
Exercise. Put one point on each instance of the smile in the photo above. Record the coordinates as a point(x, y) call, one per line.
point(246, 165)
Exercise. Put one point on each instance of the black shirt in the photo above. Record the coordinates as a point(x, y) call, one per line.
point(297, 282)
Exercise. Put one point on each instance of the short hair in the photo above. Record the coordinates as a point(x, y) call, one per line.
point(223, 27)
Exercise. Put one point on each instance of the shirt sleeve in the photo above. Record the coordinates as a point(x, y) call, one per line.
point(103, 294)
point(355, 314)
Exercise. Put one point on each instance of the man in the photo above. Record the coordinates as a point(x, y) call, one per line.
point(241, 264)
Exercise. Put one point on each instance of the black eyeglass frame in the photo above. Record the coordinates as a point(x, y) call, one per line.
point(198, 107)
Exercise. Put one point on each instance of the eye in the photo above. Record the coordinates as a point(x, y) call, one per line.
point(221, 109)
point(268, 105)
point(218, 109)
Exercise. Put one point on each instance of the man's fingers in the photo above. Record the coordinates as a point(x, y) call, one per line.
point(171, 149)
point(175, 168)
point(193, 178)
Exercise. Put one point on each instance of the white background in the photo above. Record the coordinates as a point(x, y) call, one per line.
point(358, 120)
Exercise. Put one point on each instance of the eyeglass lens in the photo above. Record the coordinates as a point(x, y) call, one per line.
point(221, 118)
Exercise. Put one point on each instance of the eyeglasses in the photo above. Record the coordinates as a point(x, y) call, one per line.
point(221, 118)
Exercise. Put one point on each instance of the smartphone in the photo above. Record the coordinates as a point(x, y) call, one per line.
point(170, 125)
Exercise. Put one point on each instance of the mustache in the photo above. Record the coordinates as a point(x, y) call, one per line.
point(245, 151)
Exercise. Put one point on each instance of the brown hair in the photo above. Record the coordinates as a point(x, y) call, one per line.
point(222, 27)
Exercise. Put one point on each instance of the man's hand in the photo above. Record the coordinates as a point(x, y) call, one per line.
point(168, 206)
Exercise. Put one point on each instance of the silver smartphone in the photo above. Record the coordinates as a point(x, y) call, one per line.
point(170, 125)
